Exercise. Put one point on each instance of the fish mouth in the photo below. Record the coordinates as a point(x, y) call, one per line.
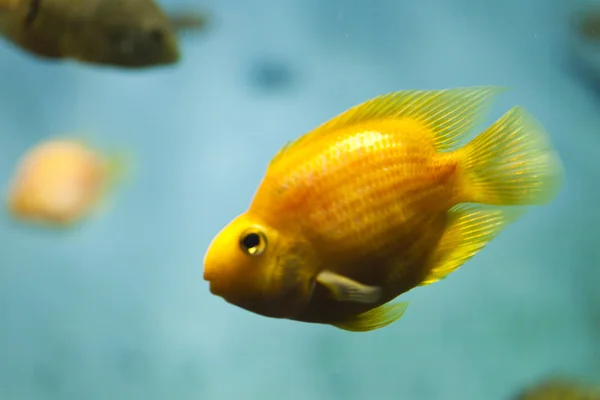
point(214, 289)
point(211, 285)
point(211, 288)
point(206, 276)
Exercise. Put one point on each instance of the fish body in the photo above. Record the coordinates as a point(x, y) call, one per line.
point(381, 199)
point(129, 34)
point(59, 182)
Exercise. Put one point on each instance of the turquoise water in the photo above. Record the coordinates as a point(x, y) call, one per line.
point(117, 309)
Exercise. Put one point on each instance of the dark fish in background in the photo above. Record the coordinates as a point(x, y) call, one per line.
point(588, 25)
point(187, 20)
point(119, 33)
point(271, 74)
point(583, 47)
point(559, 389)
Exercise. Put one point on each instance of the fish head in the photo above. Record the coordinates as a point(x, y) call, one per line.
point(136, 33)
point(260, 269)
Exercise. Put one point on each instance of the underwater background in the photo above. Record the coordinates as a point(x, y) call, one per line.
point(117, 308)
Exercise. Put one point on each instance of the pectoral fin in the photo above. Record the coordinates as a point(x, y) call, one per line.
point(346, 289)
point(373, 319)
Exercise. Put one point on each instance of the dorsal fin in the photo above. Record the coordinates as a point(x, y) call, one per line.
point(281, 152)
point(448, 113)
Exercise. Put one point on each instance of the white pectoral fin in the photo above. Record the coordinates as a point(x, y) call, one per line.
point(346, 289)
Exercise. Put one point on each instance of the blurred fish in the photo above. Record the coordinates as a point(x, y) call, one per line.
point(129, 34)
point(559, 389)
point(372, 204)
point(582, 59)
point(60, 181)
point(587, 24)
point(190, 20)
point(270, 75)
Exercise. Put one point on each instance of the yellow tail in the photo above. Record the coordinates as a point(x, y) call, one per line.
point(510, 163)
point(120, 167)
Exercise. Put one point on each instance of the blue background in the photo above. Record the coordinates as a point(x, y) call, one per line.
point(117, 308)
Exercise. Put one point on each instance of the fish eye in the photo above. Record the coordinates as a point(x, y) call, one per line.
point(253, 242)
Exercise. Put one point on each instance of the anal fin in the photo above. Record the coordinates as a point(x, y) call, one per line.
point(374, 319)
point(470, 228)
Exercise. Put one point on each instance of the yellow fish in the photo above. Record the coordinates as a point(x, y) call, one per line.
point(560, 389)
point(381, 199)
point(128, 34)
point(60, 181)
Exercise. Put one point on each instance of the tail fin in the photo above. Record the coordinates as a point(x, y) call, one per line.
point(120, 167)
point(510, 163)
